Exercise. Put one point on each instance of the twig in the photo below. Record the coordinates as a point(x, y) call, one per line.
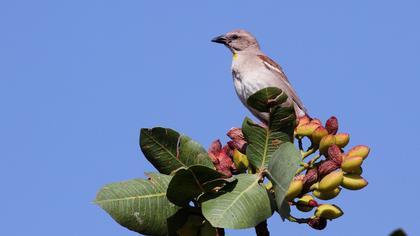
point(303, 167)
point(298, 220)
point(307, 153)
point(220, 232)
point(311, 162)
point(261, 229)
point(300, 144)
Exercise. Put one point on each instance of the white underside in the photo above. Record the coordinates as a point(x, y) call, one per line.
point(247, 82)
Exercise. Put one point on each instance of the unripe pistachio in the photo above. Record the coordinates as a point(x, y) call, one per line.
point(304, 208)
point(318, 223)
point(318, 134)
point(314, 186)
point(328, 211)
point(357, 171)
point(294, 189)
point(306, 129)
point(303, 120)
point(359, 151)
point(353, 182)
point(351, 164)
point(327, 195)
point(306, 203)
point(325, 143)
point(332, 125)
point(316, 121)
point(240, 160)
point(307, 199)
point(342, 139)
point(330, 181)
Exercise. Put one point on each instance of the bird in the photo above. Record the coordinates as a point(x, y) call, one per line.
point(253, 70)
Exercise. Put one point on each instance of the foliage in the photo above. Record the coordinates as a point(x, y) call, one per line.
point(239, 185)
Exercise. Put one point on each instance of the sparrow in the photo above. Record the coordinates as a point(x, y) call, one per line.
point(252, 70)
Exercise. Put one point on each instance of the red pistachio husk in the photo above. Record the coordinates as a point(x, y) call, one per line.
point(221, 158)
point(312, 203)
point(327, 167)
point(226, 149)
point(229, 151)
point(317, 223)
point(235, 133)
point(240, 145)
point(334, 154)
point(214, 149)
point(299, 177)
point(332, 125)
point(238, 140)
point(310, 178)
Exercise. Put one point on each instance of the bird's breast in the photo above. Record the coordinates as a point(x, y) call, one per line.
point(248, 80)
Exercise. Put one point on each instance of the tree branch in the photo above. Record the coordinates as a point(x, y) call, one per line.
point(220, 232)
point(261, 229)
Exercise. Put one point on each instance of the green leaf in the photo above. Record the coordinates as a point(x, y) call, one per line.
point(167, 150)
point(265, 98)
point(178, 220)
point(192, 153)
point(208, 230)
point(240, 204)
point(190, 222)
point(262, 143)
point(281, 170)
point(284, 210)
point(283, 119)
point(189, 183)
point(139, 205)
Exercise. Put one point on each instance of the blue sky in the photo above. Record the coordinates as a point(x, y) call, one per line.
point(78, 79)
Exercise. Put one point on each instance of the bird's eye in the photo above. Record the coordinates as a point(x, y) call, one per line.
point(235, 36)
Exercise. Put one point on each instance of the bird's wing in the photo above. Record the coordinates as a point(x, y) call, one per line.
point(273, 66)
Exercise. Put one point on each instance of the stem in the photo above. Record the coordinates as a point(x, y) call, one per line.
point(307, 153)
point(303, 167)
point(300, 170)
point(311, 162)
point(261, 229)
point(262, 174)
point(300, 144)
point(298, 220)
point(220, 232)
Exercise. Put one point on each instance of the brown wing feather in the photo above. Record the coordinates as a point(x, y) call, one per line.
point(272, 65)
point(275, 65)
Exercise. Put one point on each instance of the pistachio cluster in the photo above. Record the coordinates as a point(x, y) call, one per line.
point(327, 172)
point(325, 168)
point(239, 184)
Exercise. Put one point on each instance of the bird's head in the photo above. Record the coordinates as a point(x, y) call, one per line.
point(238, 40)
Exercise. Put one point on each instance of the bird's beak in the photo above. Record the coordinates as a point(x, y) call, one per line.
point(220, 39)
